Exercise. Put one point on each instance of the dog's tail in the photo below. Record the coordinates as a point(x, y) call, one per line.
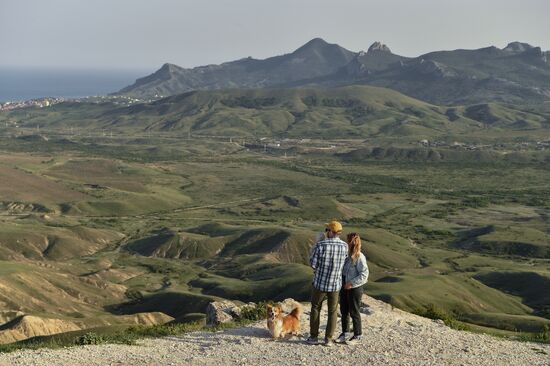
point(298, 310)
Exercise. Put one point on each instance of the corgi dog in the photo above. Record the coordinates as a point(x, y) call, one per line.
point(280, 325)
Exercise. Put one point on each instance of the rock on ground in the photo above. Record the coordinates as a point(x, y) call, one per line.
point(219, 312)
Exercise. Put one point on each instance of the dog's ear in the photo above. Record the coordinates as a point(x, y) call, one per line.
point(268, 307)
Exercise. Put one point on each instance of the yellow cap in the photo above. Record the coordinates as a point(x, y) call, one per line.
point(334, 226)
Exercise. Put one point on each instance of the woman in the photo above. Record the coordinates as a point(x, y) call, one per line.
point(355, 275)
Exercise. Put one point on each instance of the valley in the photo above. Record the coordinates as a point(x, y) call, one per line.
point(112, 216)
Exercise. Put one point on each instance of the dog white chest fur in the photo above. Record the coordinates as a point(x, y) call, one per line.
point(276, 327)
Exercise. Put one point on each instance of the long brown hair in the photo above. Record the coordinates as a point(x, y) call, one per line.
point(354, 242)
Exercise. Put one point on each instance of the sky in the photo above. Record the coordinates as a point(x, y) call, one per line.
point(140, 34)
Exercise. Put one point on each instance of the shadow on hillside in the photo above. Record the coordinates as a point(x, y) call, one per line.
point(472, 240)
point(536, 295)
point(174, 304)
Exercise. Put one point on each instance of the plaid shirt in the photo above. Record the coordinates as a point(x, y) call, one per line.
point(327, 260)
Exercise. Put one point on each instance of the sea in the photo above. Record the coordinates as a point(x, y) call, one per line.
point(18, 84)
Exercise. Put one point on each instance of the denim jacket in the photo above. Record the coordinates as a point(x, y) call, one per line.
point(357, 273)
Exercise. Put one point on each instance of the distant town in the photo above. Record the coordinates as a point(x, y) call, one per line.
point(49, 101)
point(40, 103)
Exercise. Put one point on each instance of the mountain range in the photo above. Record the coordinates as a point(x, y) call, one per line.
point(518, 73)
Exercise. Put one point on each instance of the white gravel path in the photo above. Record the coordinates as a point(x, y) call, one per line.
point(391, 337)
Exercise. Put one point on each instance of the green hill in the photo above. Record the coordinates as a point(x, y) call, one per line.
point(533, 288)
point(279, 244)
point(347, 112)
point(169, 244)
point(511, 240)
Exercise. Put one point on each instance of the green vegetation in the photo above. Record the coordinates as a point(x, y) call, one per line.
point(433, 312)
point(150, 225)
point(338, 113)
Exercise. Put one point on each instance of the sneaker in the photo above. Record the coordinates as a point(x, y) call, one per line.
point(312, 340)
point(328, 343)
point(355, 339)
point(341, 338)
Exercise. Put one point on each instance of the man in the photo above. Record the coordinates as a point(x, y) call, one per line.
point(327, 260)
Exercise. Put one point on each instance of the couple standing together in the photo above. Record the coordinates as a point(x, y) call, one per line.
point(340, 271)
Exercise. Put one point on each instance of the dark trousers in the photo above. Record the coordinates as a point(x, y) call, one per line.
point(317, 298)
point(350, 303)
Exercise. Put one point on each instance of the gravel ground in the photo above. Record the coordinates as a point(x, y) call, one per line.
point(391, 337)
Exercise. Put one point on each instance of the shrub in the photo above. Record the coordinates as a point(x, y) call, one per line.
point(544, 334)
point(433, 312)
point(134, 295)
point(162, 330)
point(89, 338)
point(254, 313)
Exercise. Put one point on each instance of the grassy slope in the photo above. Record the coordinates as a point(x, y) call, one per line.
point(355, 111)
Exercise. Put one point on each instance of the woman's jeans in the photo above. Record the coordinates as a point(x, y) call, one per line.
point(350, 303)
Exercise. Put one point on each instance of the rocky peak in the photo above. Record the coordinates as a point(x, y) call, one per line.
point(315, 43)
point(166, 72)
point(168, 68)
point(322, 57)
point(517, 47)
point(378, 46)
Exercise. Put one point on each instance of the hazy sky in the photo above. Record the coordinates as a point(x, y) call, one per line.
point(145, 34)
